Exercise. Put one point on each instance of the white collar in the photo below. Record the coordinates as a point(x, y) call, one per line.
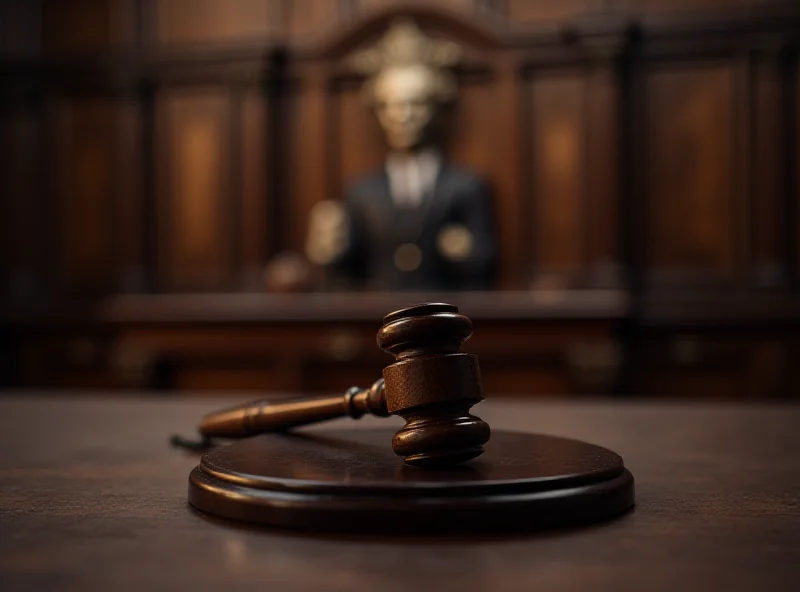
point(411, 176)
point(427, 158)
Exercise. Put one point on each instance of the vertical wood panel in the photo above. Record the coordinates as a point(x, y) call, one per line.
point(20, 27)
point(21, 203)
point(679, 5)
point(603, 172)
point(690, 165)
point(795, 144)
point(463, 6)
point(471, 138)
point(483, 138)
point(254, 171)
point(194, 197)
point(128, 185)
point(361, 147)
point(767, 186)
point(558, 163)
point(197, 21)
point(527, 11)
point(796, 147)
point(87, 24)
point(309, 137)
point(312, 17)
point(86, 132)
point(507, 136)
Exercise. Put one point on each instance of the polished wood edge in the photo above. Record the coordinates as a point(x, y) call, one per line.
point(319, 307)
point(504, 512)
point(668, 308)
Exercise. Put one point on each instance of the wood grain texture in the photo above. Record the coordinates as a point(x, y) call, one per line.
point(256, 198)
point(692, 214)
point(321, 342)
point(473, 140)
point(708, 366)
point(199, 21)
point(360, 147)
point(22, 149)
point(602, 162)
point(463, 6)
point(90, 492)
point(20, 28)
point(328, 134)
point(796, 179)
point(87, 132)
point(558, 167)
point(661, 6)
point(129, 209)
point(87, 25)
point(511, 213)
point(309, 122)
point(766, 189)
point(305, 18)
point(530, 12)
point(194, 188)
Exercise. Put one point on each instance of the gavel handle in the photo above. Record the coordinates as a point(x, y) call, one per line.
point(261, 416)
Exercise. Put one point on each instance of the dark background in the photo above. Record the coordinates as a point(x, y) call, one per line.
point(158, 154)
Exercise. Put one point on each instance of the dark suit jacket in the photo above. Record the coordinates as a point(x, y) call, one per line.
point(379, 227)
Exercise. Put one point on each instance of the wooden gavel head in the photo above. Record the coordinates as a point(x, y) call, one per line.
point(432, 385)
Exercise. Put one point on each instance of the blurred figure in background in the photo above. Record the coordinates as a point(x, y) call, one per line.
point(421, 222)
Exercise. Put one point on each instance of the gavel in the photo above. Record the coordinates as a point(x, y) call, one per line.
point(432, 385)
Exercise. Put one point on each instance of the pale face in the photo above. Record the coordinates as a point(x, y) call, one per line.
point(405, 105)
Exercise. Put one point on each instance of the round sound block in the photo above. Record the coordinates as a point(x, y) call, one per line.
point(350, 480)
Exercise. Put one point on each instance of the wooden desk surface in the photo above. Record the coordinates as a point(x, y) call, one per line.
point(93, 498)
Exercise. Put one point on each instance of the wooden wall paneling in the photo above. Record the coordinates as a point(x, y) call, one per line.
point(23, 201)
point(741, 166)
point(656, 6)
point(602, 153)
point(632, 182)
point(767, 175)
point(690, 158)
point(86, 136)
point(558, 164)
point(548, 10)
point(254, 170)
point(88, 25)
point(471, 139)
point(475, 140)
point(7, 208)
point(151, 169)
point(193, 171)
point(50, 226)
point(359, 146)
point(308, 139)
point(792, 147)
point(186, 22)
point(278, 147)
point(128, 188)
point(506, 116)
point(20, 28)
point(234, 188)
point(463, 6)
point(306, 18)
